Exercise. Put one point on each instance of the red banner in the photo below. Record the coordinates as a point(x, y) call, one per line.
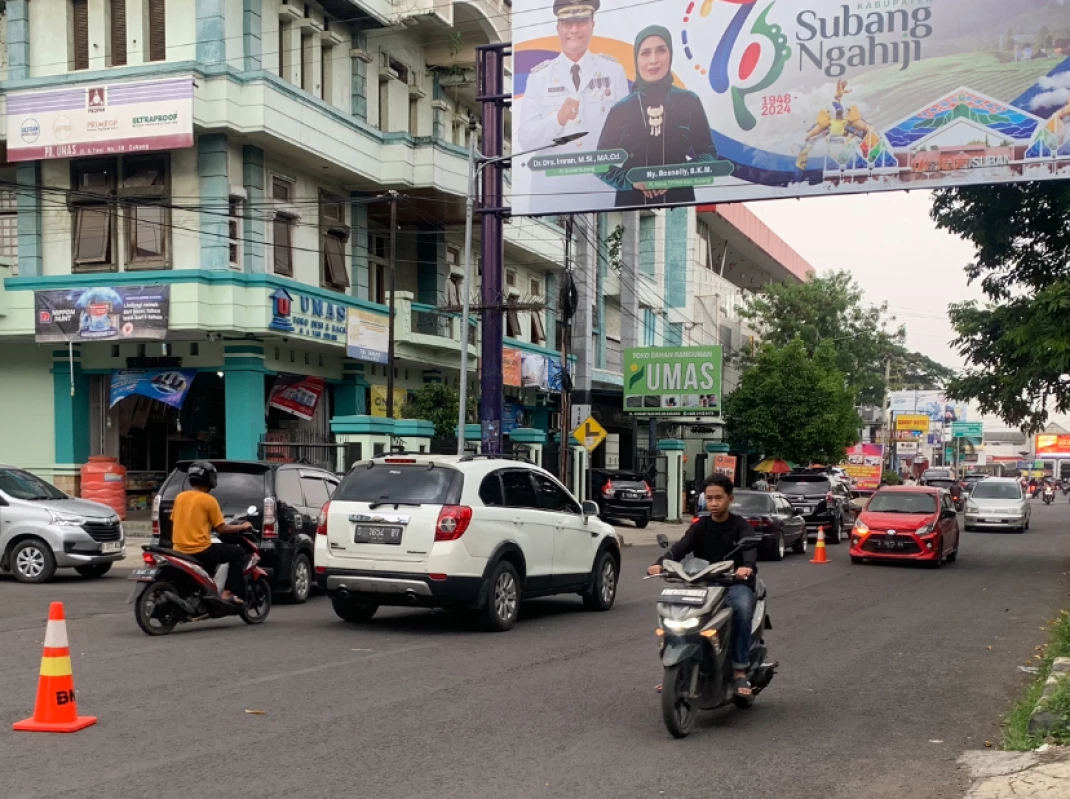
point(297, 395)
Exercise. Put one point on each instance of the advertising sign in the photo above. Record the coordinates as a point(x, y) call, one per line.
point(967, 430)
point(379, 401)
point(101, 119)
point(912, 423)
point(865, 463)
point(512, 367)
point(102, 313)
point(726, 465)
point(736, 100)
point(367, 334)
point(679, 381)
point(169, 386)
point(297, 395)
point(932, 403)
point(513, 416)
point(906, 449)
point(1049, 445)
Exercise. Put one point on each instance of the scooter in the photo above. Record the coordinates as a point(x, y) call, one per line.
point(1049, 494)
point(695, 635)
point(173, 588)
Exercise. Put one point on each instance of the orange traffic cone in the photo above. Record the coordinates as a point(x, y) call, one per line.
point(820, 555)
point(56, 710)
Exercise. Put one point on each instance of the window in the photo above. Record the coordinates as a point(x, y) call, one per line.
point(327, 72)
point(92, 235)
point(553, 497)
point(674, 336)
point(646, 244)
point(92, 203)
point(454, 286)
point(453, 259)
point(510, 278)
point(234, 232)
point(378, 255)
point(117, 32)
point(536, 287)
point(157, 30)
point(314, 489)
point(650, 325)
point(390, 483)
point(282, 244)
point(414, 116)
point(490, 491)
point(80, 32)
point(538, 332)
point(335, 235)
point(285, 57)
point(9, 223)
point(726, 337)
point(288, 487)
point(512, 323)
point(148, 222)
point(282, 190)
point(519, 490)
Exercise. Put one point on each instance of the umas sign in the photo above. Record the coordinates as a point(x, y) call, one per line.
point(752, 99)
point(303, 316)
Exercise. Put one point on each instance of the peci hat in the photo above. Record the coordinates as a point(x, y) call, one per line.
point(575, 9)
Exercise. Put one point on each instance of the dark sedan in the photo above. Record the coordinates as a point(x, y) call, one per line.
point(772, 516)
point(623, 495)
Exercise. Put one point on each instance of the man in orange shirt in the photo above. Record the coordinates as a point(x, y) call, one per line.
point(195, 516)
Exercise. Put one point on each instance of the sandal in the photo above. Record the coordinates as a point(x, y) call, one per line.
point(739, 684)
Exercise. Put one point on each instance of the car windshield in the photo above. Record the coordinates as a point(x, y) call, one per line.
point(804, 485)
point(23, 485)
point(902, 502)
point(388, 484)
point(997, 491)
point(752, 503)
point(236, 485)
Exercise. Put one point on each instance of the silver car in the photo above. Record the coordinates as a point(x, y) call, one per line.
point(42, 529)
point(997, 503)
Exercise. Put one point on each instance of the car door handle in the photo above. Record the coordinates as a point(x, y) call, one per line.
point(518, 521)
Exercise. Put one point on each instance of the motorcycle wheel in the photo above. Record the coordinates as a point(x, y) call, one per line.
point(148, 609)
point(676, 709)
point(257, 602)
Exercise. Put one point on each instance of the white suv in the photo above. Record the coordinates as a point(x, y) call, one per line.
point(475, 531)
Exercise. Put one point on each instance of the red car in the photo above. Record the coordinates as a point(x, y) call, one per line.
point(908, 523)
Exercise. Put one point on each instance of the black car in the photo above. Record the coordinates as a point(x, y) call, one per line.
point(822, 501)
point(289, 498)
point(775, 519)
point(970, 481)
point(622, 494)
point(944, 478)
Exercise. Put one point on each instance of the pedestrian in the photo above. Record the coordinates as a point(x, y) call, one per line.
point(761, 484)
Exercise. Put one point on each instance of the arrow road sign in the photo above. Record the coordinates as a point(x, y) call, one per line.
point(590, 434)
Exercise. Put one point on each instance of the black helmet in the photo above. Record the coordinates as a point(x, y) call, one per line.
point(203, 473)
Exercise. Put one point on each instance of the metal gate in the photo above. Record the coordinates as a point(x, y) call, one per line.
point(306, 449)
point(655, 468)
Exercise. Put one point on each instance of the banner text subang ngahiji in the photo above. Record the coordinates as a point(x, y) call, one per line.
point(730, 100)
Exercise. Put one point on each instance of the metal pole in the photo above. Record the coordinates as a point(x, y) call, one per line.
point(886, 413)
point(469, 211)
point(566, 337)
point(391, 282)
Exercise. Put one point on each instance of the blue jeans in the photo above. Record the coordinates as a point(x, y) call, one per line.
point(742, 600)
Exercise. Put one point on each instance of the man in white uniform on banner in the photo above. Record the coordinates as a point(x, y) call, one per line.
point(570, 93)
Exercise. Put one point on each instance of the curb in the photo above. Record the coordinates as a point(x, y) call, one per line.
point(1041, 722)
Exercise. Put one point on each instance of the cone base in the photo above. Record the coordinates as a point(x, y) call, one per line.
point(29, 725)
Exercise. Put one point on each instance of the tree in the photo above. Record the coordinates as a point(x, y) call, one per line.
point(436, 403)
point(1017, 345)
point(914, 371)
point(794, 405)
point(830, 309)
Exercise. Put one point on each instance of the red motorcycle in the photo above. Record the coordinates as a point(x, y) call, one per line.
point(173, 588)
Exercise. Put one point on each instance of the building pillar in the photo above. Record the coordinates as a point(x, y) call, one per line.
point(673, 450)
point(629, 280)
point(430, 266)
point(313, 52)
point(351, 396)
point(211, 31)
point(358, 247)
point(253, 223)
point(359, 85)
point(70, 395)
point(600, 292)
point(252, 30)
point(585, 276)
point(290, 57)
point(18, 39)
point(215, 197)
point(28, 200)
point(243, 381)
point(676, 255)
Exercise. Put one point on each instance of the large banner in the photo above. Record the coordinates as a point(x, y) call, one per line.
point(751, 99)
point(864, 465)
point(297, 395)
point(169, 386)
point(102, 313)
point(932, 403)
point(673, 381)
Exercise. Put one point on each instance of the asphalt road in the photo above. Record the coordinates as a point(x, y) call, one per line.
point(887, 674)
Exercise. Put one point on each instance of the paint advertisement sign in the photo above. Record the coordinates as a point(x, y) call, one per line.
point(102, 313)
point(912, 423)
point(726, 465)
point(100, 119)
point(864, 465)
point(932, 403)
point(379, 401)
point(297, 395)
point(367, 335)
point(169, 386)
point(753, 99)
point(678, 381)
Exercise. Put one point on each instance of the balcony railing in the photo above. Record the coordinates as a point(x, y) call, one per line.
point(425, 325)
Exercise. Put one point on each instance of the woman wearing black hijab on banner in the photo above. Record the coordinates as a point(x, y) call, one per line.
point(657, 124)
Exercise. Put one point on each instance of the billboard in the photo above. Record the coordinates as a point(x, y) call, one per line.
point(367, 335)
point(864, 465)
point(738, 100)
point(378, 396)
point(673, 381)
point(932, 403)
point(912, 423)
point(102, 313)
point(169, 386)
point(100, 119)
point(1052, 446)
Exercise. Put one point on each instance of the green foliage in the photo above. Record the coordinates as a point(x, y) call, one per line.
point(1017, 345)
point(794, 405)
point(436, 403)
point(1017, 735)
point(914, 371)
point(613, 248)
point(891, 478)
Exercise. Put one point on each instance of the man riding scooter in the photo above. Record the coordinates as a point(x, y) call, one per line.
point(196, 516)
point(712, 538)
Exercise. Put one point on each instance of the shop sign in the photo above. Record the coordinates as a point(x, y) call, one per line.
point(297, 395)
point(673, 380)
point(912, 423)
point(864, 465)
point(513, 417)
point(367, 336)
point(726, 465)
point(906, 449)
point(1053, 445)
point(379, 401)
point(304, 316)
point(100, 119)
point(167, 386)
point(102, 313)
point(512, 368)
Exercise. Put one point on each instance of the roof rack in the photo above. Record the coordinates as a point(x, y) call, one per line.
point(489, 456)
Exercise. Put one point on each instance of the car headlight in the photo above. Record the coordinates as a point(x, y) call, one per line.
point(861, 528)
point(679, 626)
point(67, 519)
point(971, 508)
point(928, 529)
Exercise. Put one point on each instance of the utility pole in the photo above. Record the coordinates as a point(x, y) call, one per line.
point(466, 296)
point(566, 337)
point(391, 282)
point(886, 412)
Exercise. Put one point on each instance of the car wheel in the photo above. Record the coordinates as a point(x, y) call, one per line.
point(642, 523)
point(32, 561)
point(1028, 521)
point(352, 610)
point(857, 560)
point(802, 544)
point(503, 603)
point(604, 585)
point(300, 579)
point(938, 562)
point(776, 552)
point(96, 570)
point(834, 536)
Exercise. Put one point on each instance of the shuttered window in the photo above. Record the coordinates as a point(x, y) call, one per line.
point(118, 33)
point(157, 30)
point(80, 19)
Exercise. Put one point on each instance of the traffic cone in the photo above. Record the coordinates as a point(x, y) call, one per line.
point(56, 710)
point(820, 555)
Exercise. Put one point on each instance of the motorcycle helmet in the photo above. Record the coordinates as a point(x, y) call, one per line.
point(203, 473)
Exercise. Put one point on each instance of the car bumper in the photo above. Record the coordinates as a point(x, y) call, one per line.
point(81, 554)
point(815, 521)
point(401, 588)
point(616, 509)
point(995, 521)
point(925, 554)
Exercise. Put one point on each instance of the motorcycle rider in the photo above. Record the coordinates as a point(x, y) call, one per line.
point(195, 517)
point(712, 538)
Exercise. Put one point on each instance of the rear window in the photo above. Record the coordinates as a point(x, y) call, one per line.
point(752, 503)
point(941, 483)
point(625, 477)
point(902, 502)
point(997, 491)
point(936, 474)
point(237, 485)
point(416, 484)
point(804, 485)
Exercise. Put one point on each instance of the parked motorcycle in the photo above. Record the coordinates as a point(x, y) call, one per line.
point(696, 634)
point(173, 588)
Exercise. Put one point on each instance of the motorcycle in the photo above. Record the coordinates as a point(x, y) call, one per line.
point(1049, 495)
point(173, 588)
point(695, 635)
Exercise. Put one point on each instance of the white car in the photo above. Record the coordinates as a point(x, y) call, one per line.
point(471, 532)
point(998, 503)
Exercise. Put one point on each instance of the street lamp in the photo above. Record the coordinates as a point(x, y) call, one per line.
point(469, 211)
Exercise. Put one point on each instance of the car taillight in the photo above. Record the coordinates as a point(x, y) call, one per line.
point(156, 516)
point(649, 490)
point(321, 527)
point(453, 520)
point(149, 558)
point(758, 524)
point(268, 530)
point(607, 489)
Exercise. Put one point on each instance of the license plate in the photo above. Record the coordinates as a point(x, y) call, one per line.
point(632, 495)
point(370, 534)
point(683, 596)
point(891, 544)
point(144, 575)
point(111, 546)
point(993, 521)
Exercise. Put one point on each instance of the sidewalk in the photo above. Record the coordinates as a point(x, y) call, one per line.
point(631, 536)
point(1012, 775)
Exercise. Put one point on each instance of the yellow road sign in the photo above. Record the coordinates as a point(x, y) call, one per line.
point(590, 434)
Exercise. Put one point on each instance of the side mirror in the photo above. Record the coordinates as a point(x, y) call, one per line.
point(590, 508)
point(751, 541)
point(950, 514)
point(663, 540)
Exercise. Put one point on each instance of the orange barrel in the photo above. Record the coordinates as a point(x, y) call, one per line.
point(104, 481)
